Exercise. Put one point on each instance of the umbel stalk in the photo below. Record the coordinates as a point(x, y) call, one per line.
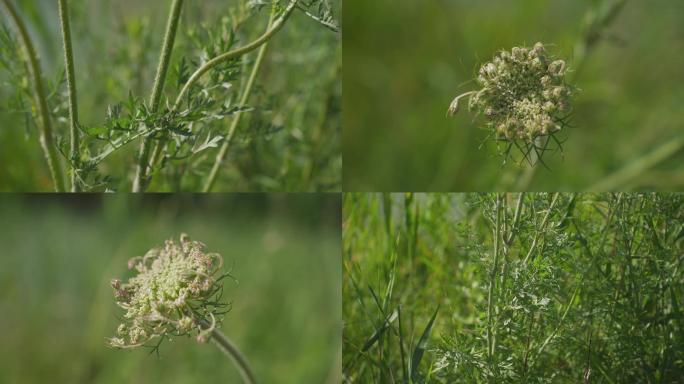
point(230, 350)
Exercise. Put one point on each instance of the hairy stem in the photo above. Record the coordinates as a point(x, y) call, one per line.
point(141, 179)
point(73, 100)
point(230, 350)
point(275, 27)
point(220, 157)
point(45, 126)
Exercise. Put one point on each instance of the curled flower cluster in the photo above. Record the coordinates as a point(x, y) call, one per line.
point(175, 292)
point(523, 94)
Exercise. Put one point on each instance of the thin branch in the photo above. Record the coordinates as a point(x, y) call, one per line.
point(220, 157)
point(541, 228)
point(491, 338)
point(235, 53)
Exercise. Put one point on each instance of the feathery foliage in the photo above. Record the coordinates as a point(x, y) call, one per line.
point(532, 288)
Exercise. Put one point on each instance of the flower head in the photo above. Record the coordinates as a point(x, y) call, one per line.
point(175, 291)
point(522, 95)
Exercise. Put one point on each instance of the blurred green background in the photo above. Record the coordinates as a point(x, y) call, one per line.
point(56, 304)
point(116, 50)
point(405, 60)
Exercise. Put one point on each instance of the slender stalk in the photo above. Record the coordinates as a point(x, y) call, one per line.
point(141, 179)
point(565, 314)
point(491, 338)
point(73, 100)
point(230, 350)
point(275, 27)
point(220, 157)
point(542, 228)
point(45, 126)
point(516, 219)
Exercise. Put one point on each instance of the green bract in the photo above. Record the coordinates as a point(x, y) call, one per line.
point(174, 292)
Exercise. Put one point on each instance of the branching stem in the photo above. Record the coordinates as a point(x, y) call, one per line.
point(220, 157)
point(45, 125)
point(275, 27)
point(259, 42)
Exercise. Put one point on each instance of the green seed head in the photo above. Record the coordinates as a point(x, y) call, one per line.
point(523, 94)
point(174, 291)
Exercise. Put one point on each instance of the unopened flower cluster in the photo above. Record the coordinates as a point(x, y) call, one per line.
point(169, 293)
point(523, 93)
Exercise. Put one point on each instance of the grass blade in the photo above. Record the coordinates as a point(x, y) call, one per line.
point(380, 331)
point(419, 350)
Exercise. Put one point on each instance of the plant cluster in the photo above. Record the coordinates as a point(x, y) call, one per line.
point(209, 88)
point(532, 288)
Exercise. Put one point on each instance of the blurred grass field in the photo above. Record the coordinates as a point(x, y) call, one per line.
point(406, 60)
point(116, 51)
point(57, 307)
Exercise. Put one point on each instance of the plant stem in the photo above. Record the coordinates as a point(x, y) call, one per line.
point(541, 229)
point(141, 179)
point(211, 179)
point(516, 219)
point(45, 126)
point(275, 27)
point(491, 338)
point(73, 101)
point(565, 314)
point(230, 350)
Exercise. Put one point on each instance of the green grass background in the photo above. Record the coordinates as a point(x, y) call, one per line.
point(57, 307)
point(405, 60)
point(116, 49)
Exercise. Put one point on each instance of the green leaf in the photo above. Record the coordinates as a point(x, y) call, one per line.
point(420, 348)
point(379, 332)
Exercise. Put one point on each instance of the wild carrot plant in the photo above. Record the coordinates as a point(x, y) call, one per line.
point(534, 287)
point(202, 93)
